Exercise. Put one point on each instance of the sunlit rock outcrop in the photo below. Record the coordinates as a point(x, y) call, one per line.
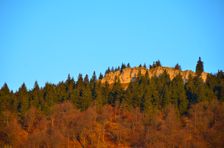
point(128, 74)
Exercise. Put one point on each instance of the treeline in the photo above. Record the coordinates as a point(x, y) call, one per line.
point(123, 66)
point(145, 93)
point(144, 96)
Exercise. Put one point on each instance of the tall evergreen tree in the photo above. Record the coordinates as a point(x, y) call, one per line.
point(61, 92)
point(147, 101)
point(163, 84)
point(70, 85)
point(179, 98)
point(100, 76)
point(100, 98)
point(93, 85)
point(153, 92)
point(108, 70)
point(137, 89)
point(23, 99)
point(191, 90)
point(177, 66)
point(155, 64)
point(5, 98)
point(49, 96)
point(116, 95)
point(84, 96)
point(123, 66)
point(36, 97)
point(158, 63)
point(105, 91)
point(199, 67)
point(219, 85)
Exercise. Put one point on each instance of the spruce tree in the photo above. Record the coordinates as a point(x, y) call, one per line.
point(107, 71)
point(100, 99)
point(154, 92)
point(23, 99)
point(116, 95)
point(127, 102)
point(105, 91)
point(100, 76)
point(36, 98)
point(93, 85)
point(220, 85)
point(84, 96)
point(163, 82)
point(199, 67)
point(5, 97)
point(158, 63)
point(177, 67)
point(123, 66)
point(70, 85)
point(61, 92)
point(49, 96)
point(178, 97)
point(147, 101)
point(191, 90)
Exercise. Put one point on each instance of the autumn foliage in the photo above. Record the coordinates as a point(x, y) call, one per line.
point(151, 112)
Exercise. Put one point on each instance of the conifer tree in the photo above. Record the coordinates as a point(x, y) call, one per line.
point(61, 92)
point(199, 67)
point(5, 97)
point(163, 84)
point(158, 63)
point(153, 92)
point(123, 66)
point(23, 99)
point(179, 98)
point(165, 96)
point(219, 87)
point(36, 97)
point(127, 102)
point(200, 89)
point(137, 91)
point(105, 91)
point(108, 70)
point(100, 76)
point(100, 99)
point(116, 95)
point(84, 96)
point(191, 90)
point(70, 85)
point(177, 67)
point(147, 101)
point(49, 96)
point(93, 85)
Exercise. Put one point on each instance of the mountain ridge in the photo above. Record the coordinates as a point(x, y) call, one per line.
point(126, 75)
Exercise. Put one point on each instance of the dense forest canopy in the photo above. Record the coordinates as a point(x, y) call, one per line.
point(151, 112)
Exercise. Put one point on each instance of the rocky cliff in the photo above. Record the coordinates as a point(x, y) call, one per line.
point(128, 74)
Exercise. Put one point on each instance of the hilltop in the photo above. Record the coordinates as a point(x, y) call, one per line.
point(127, 75)
point(168, 110)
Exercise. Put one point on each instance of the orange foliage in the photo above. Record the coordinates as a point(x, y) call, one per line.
point(66, 126)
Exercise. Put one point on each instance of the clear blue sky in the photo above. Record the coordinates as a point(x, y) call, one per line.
point(45, 40)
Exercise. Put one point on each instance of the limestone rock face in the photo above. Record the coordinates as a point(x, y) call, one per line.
point(128, 74)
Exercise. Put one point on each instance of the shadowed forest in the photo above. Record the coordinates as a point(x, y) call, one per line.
point(150, 112)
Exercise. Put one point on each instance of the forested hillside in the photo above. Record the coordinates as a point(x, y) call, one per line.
point(152, 110)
